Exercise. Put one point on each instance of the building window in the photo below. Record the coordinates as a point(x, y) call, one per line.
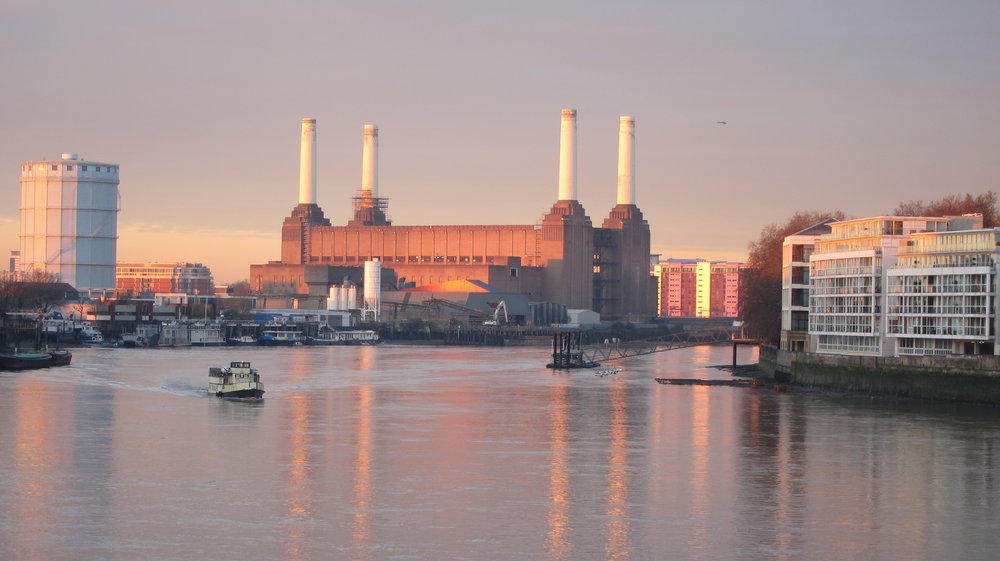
point(69, 167)
point(84, 168)
point(513, 273)
point(55, 167)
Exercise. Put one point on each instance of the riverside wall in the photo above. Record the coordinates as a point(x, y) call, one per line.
point(972, 379)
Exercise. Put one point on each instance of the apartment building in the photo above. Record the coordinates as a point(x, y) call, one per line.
point(697, 288)
point(868, 283)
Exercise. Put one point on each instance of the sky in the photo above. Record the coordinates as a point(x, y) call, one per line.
point(849, 105)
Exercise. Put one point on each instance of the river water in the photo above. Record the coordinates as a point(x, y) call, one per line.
point(441, 453)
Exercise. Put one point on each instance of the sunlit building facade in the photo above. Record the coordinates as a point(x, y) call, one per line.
point(892, 285)
point(698, 288)
point(69, 221)
point(795, 253)
point(563, 259)
point(173, 278)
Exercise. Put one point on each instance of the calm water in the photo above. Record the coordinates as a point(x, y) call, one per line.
point(397, 452)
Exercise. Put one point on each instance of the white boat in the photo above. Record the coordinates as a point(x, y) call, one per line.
point(238, 381)
point(354, 337)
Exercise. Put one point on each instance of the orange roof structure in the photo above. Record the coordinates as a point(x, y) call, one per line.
point(454, 286)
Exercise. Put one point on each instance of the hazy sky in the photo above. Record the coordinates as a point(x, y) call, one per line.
point(851, 105)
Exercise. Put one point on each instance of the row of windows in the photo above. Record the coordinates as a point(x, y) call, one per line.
point(69, 167)
point(842, 324)
point(851, 343)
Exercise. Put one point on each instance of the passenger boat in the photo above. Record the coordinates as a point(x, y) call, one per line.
point(356, 337)
point(281, 337)
point(238, 381)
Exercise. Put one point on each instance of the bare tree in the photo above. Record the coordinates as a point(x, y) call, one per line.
point(955, 205)
point(760, 284)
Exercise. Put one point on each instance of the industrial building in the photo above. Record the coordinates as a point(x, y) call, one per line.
point(698, 288)
point(69, 221)
point(563, 259)
point(894, 286)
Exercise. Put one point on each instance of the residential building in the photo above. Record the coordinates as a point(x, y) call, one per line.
point(942, 294)
point(69, 221)
point(178, 277)
point(698, 288)
point(795, 252)
point(891, 285)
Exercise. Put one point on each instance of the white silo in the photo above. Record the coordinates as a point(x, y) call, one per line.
point(373, 286)
point(69, 221)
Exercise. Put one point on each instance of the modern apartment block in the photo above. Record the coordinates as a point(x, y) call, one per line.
point(942, 294)
point(697, 288)
point(174, 278)
point(796, 250)
point(892, 285)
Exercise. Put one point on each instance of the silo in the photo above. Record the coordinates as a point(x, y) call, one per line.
point(373, 284)
point(69, 220)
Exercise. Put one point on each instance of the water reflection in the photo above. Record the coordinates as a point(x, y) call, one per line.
point(299, 491)
point(557, 541)
point(479, 453)
point(362, 495)
point(617, 493)
point(39, 458)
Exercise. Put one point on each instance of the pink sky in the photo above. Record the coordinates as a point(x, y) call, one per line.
point(849, 105)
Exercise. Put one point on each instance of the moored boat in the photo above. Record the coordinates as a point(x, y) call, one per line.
point(238, 381)
point(60, 357)
point(25, 361)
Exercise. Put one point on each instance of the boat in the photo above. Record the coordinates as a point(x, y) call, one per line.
point(237, 381)
point(242, 340)
point(134, 341)
point(60, 357)
point(281, 336)
point(356, 337)
point(25, 361)
point(608, 372)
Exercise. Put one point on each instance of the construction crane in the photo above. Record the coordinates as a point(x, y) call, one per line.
point(500, 307)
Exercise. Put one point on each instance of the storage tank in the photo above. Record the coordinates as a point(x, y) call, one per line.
point(373, 284)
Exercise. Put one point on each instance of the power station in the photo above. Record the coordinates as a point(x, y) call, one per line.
point(563, 260)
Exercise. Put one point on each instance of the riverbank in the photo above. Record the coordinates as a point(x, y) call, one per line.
point(968, 379)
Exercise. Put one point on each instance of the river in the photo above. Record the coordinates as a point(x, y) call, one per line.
point(455, 453)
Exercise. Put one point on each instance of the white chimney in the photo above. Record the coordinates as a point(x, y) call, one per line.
point(567, 156)
point(307, 163)
point(369, 162)
point(626, 160)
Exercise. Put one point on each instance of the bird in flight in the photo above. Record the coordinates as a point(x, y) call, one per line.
point(721, 122)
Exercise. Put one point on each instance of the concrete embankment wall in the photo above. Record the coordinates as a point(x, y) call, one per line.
point(974, 379)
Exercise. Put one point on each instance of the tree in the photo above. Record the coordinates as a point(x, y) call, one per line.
point(760, 284)
point(955, 205)
point(240, 288)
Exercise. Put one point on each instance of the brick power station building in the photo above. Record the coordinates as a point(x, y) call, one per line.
point(564, 259)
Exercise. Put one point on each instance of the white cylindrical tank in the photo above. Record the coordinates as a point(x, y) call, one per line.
point(351, 297)
point(331, 300)
point(626, 160)
point(373, 284)
point(567, 156)
point(69, 221)
point(307, 163)
point(369, 162)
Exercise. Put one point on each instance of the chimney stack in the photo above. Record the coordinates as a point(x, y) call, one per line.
point(369, 162)
point(626, 160)
point(307, 163)
point(567, 156)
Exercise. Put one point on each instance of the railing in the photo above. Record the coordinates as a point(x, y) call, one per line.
point(611, 350)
